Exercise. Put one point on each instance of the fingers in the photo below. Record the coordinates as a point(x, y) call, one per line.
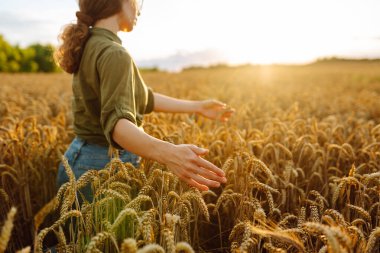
point(199, 182)
point(204, 167)
point(209, 166)
point(214, 102)
point(199, 177)
point(222, 112)
point(204, 181)
point(208, 175)
point(198, 150)
point(227, 114)
point(197, 185)
point(195, 170)
point(219, 104)
point(204, 163)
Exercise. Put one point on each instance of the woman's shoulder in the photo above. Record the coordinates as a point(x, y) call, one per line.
point(105, 47)
point(108, 54)
point(111, 54)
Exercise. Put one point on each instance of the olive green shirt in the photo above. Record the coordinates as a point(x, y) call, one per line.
point(107, 87)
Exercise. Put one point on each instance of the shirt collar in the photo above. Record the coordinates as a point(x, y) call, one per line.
point(106, 33)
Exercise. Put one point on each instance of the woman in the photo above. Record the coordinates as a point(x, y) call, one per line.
point(110, 98)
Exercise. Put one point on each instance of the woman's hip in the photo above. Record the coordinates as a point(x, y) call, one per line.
point(83, 156)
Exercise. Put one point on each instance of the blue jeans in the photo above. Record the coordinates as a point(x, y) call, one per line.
point(83, 156)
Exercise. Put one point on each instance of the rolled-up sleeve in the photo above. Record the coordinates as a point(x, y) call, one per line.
point(150, 104)
point(117, 91)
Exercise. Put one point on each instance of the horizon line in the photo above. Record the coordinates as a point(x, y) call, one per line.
point(323, 60)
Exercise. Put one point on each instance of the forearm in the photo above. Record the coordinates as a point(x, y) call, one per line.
point(135, 140)
point(183, 160)
point(164, 103)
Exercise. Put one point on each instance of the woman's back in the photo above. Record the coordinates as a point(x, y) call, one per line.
point(107, 86)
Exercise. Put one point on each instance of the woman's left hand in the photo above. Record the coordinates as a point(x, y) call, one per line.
point(214, 109)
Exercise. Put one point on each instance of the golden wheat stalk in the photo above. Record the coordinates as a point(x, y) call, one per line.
point(122, 215)
point(41, 235)
point(6, 230)
point(183, 247)
point(317, 229)
point(196, 196)
point(135, 204)
point(98, 240)
point(43, 212)
point(285, 237)
point(373, 238)
point(361, 211)
point(128, 246)
point(150, 248)
point(168, 240)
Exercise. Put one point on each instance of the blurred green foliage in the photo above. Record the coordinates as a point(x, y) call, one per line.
point(34, 58)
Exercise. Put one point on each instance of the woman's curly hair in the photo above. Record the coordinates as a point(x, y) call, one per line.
point(74, 36)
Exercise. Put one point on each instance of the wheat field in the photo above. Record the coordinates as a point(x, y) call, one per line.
point(301, 156)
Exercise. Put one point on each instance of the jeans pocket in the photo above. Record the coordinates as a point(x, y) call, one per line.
point(61, 176)
point(92, 157)
point(71, 155)
point(74, 151)
point(84, 164)
point(128, 157)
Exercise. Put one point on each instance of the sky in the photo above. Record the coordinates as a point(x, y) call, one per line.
point(172, 34)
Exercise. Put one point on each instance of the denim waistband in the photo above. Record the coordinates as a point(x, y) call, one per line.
point(78, 143)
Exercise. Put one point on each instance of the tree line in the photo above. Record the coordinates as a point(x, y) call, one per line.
point(33, 58)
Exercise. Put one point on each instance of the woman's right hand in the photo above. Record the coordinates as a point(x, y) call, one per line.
point(185, 161)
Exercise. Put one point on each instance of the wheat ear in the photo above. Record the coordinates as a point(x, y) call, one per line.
point(6, 230)
point(129, 246)
point(375, 234)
